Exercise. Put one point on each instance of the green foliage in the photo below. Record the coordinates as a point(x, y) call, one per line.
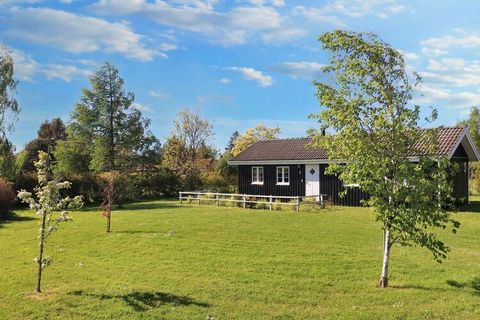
point(473, 124)
point(106, 130)
point(252, 135)
point(8, 103)
point(47, 200)
point(47, 136)
point(375, 131)
point(6, 198)
point(8, 164)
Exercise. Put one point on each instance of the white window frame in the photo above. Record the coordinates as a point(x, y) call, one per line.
point(284, 170)
point(256, 175)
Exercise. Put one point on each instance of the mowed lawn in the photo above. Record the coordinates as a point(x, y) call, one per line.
point(164, 260)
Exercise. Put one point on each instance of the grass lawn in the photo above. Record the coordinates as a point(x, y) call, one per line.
point(164, 260)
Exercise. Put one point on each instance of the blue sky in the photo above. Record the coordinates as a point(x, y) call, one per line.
point(239, 62)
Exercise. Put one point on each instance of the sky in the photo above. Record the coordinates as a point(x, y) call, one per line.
point(237, 62)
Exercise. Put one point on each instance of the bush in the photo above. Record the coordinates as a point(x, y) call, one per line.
point(215, 182)
point(6, 197)
point(158, 182)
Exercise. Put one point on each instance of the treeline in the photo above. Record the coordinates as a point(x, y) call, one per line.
point(107, 137)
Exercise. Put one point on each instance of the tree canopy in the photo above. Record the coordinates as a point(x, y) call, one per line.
point(376, 129)
point(105, 128)
point(8, 103)
point(252, 135)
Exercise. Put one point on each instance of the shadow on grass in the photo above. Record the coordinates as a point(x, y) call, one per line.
point(473, 206)
point(417, 287)
point(133, 206)
point(12, 217)
point(142, 301)
point(473, 284)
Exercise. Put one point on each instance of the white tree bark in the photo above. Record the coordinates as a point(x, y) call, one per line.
point(386, 257)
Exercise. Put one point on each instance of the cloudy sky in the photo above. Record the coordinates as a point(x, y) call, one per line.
point(238, 62)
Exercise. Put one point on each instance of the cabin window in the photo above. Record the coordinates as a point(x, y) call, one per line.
point(257, 175)
point(283, 175)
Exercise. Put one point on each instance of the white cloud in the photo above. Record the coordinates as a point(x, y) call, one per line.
point(318, 15)
point(452, 72)
point(331, 12)
point(438, 46)
point(303, 69)
point(451, 99)
point(224, 81)
point(64, 72)
point(159, 95)
point(167, 47)
point(74, 33)
point(233, 27)
point(142, 108)
point(253, 75)
point(24, 66)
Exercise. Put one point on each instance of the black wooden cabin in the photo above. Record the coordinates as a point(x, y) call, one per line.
point(287, 167)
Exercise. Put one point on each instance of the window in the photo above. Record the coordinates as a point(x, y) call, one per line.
point(257, 175)
point(283, 175)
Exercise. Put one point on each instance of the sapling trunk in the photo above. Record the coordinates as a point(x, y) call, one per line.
point(109, 216)
point(40, 254)
point(386, 257)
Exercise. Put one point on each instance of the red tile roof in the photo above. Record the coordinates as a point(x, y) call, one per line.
point(296, 149)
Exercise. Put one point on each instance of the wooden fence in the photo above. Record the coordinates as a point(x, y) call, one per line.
point(245, 199)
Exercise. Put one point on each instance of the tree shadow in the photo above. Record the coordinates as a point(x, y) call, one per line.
point(417, 287)
point(132, 206)
point(12, 217)
point(142, 301)
point(473, 284)
point(473, 206)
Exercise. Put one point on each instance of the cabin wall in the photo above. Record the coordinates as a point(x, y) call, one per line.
point(270, 187)
point(332, 187)
point(460, 178)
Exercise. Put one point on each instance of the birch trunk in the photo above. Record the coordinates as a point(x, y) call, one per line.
point(386, 257)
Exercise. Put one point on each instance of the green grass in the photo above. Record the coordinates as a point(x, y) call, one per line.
point(164, 260)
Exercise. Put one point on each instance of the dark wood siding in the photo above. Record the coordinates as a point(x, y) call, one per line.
point(270, 187)
point(332, 187)
point(460, 178)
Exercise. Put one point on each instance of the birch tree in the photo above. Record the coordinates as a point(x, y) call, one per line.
point(50, 206)
point(8, 103)
point(367, 103)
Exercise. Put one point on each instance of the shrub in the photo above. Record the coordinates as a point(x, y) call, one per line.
point(6, 197)
point(157, 182)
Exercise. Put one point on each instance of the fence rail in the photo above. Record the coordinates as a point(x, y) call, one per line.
point(245, 199)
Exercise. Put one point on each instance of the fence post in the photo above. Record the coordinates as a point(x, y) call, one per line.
point(216, 199)
point(198, 198)
point(270, 204)
point(297, 206)
point(322, 202)
point(244, 201)
point(180, 197)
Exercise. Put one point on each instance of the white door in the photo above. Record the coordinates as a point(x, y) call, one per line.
point(312, 180)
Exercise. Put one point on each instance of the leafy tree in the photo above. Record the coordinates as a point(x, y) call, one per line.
point(193, 131)
point(228, 172)
point(187, 150)
point(8, 165)
point(47, 136)
point(252, 135)
point(8, 103)
point(106, 127)
point(473, 124)
point(231, 141)
point(375, 131)
point(46, 202)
